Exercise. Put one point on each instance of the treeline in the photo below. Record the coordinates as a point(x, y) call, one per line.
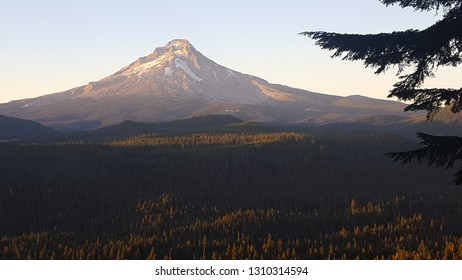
point(226, 196)
point(208, 140)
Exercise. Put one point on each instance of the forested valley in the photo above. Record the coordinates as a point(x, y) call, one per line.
point(281, 195)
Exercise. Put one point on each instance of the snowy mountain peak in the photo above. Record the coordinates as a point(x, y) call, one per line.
point(173, 54)
point(179, 47)
point(178, 44)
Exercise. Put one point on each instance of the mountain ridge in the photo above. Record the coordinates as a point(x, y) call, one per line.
point(18, 129)
point(191, 125)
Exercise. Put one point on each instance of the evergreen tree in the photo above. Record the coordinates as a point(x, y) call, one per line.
point(423, 51)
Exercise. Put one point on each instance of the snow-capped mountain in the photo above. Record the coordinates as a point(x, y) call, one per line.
point(179, 69)
point(177, 81)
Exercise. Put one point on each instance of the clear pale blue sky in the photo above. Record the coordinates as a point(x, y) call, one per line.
point(49, 46)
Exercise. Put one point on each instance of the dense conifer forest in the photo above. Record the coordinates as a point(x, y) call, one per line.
point(226, 196)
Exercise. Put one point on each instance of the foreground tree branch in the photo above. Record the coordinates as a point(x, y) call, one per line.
point(421, 52)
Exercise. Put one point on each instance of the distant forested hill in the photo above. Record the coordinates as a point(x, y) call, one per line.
point(196, 124)
point(14, 128)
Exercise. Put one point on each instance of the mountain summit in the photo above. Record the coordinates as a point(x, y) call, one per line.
point(178, 69)
point(177, 81)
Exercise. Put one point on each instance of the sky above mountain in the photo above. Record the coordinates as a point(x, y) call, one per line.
point(50, 46)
